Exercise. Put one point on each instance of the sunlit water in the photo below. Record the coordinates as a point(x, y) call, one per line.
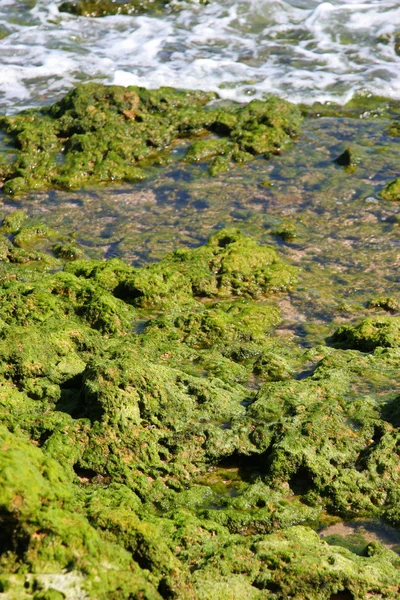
point(347, 238)
point(304, 50)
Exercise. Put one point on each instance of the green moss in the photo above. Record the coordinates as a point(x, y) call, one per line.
point(369, 334)
point(355, 542)
point(391, 191)
point(102, 8)
point(286, 231)
point(158, 440)
point(361, 105)
point(205, 149)
point(230, 264)
point(391, 411)
point(60, 146)
point(390, 303)
point(13, 222)
point(333, 574)
point(67, 251)
point(221, 325)
point(220, 164)
point(28, 235)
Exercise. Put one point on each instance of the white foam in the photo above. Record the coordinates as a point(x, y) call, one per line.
point(304, 50)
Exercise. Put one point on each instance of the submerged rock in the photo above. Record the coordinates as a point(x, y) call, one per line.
point(389, 303)
point(391, 191)
point(348, 159)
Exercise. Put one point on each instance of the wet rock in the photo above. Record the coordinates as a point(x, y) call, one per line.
point(391, 191)
point(155, 442)
point(348, 159)
point(369, 334)
point(103, 8)
point(390, 303)
point(104, 133)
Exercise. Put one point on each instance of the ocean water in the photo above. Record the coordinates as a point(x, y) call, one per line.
point(303, 50)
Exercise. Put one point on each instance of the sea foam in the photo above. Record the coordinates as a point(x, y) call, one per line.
point(302, 50)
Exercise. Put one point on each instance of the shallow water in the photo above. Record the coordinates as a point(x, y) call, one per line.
point(346, 239)
point(361, 532)
point(303, 50)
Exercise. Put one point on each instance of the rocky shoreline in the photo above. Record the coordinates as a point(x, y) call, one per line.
point(162, 435)
point(140, 460)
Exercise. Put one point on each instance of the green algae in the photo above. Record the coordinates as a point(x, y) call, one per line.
point(359, 534)
point(390, 303)
point(348, 159)
point(230, 264)
point(323, 436)
point(346, 257)
point(138, 455)
point(391, 191)
point(369, 334)
point(286, 231)
point(102, 8)
point(213, 532)
point(362, 105)
point(99, 134)
point(12, 223)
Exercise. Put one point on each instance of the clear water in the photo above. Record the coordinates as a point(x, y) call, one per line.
point(303, 50)
point(347, 239)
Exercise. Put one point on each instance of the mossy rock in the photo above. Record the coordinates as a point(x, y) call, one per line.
point(391, 191)
point(159, 440)
point(369, 334)
point(349, 159)
point(328, 447)
point(229, 265)
point(332, 575)
point(104, 133)
point(389, 303)
point(13, 222)
point(43, 525)
point(103, 8)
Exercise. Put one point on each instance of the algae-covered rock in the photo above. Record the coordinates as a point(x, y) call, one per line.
point(44, 529)
point(230, 264)
point(13, 222)
point(333, 575)
point(286, 231)
point(389, 303)
point(67, 251)
point(159, 440)
point(100, 133)
point(102, 8)
point(391, 412)
point(391, 191)
point(28, 235)
point(348, 159)
point(329, 445)
point(31, 241)
point(369, 334)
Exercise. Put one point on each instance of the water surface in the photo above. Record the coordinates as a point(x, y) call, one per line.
point(303, 50)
